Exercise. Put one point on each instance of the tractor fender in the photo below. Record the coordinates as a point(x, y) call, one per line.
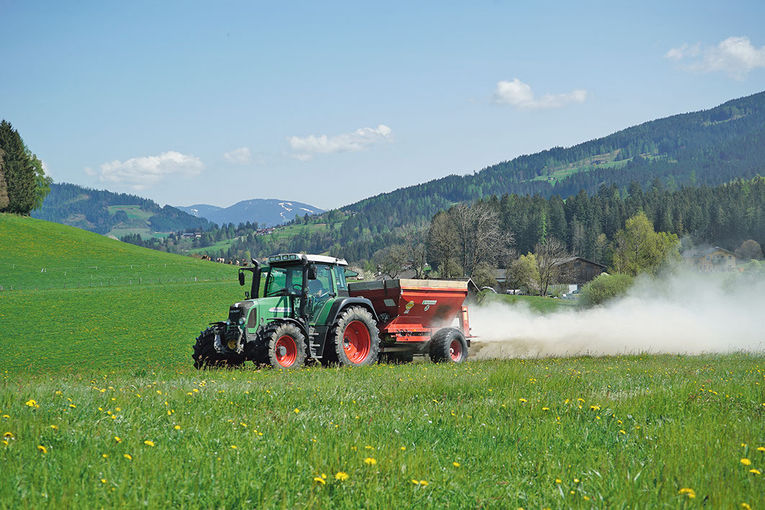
point(296, 322)
point(341, 304)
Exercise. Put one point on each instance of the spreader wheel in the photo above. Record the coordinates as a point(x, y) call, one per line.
point(286, 347)
point(356, 338)
point(448, 345)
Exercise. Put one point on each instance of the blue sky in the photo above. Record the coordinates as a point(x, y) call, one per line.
point(330, 102)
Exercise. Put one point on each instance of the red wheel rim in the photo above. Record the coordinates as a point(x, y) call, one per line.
point(286, 351)
point(455, 350)
point(356, 342)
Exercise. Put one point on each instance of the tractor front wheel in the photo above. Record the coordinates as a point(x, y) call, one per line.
point(356, 339)
point(206, 356)
point(286, 347)
point(448, 345)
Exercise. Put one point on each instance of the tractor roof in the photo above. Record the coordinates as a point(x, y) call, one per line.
point(302, 257)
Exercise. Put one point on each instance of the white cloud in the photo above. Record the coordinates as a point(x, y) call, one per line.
point(240, 156)
point(305, 147)
point(141, 173)
point(519, 94)
point(735, 56)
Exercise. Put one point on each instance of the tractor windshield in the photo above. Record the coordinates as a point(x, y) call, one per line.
point(283, 281)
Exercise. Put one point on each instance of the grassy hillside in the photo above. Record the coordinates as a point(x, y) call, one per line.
point(36, 254)
point(85, 298)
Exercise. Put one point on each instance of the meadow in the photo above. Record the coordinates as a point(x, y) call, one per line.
point(99, 406)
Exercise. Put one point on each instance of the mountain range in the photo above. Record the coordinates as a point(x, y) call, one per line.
point(264, 211)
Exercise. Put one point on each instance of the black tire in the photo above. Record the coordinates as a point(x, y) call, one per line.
point(397, 358)
point(354, 340)
point(205, 355)
point(448, 345)
point(286, 347)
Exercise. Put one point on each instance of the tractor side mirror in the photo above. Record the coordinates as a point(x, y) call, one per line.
point(312, 272)
point(241, 277)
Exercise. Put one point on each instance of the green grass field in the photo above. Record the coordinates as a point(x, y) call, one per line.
point(536, 303)
point(99, 406)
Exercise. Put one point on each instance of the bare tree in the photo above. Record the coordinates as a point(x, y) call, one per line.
point(480, 237)
point(414, 242)
point(442, 243)
point(549, 255)
point(391, 261)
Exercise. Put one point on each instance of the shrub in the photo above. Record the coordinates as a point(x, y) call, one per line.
point(604, 287)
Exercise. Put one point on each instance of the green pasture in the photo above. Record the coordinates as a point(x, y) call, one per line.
point(618, 432)
point(100, 407)
point(36, 254)
point(539, 304)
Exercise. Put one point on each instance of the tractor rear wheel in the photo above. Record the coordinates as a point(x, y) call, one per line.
point(206, 356)
point(355, 338)
point(448, 345)
point(286, 347)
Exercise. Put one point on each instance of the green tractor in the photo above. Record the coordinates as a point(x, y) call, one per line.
point(298, 307)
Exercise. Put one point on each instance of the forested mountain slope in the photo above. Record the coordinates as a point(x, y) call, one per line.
point(706, 147)
point(117, 214)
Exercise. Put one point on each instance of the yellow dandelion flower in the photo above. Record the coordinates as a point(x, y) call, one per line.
point(72, 406)
point(148, 443)
point(103, 480)
point(416, 482)
point(576, 480)
point(105, 455)
point(403, 448)
point(621, 431)
point(522, 400)
point(746, 506)
point(456, 464)
point(545, 409)
point(755, 471)
point(128, 456)
point(423, 482)
point(32, 403)
point(761, 449)
point(233, 447)
point(746, 462)
point(177, 427)
point(558, 480)
point(118, 439)
point(369, 447)
point(687, 492)
point(9, 435)
point(54, 427)
point(341, 475)
point(370, 461)
point(595, 408)
point(319, 480)
point(297, 410)
point(42, 448)
point(5, 442)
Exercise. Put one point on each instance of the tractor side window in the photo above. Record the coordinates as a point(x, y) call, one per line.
point(322, 285)
point(284, 280)
point(340, 278)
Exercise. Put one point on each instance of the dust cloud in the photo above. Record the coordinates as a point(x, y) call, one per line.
point(682, 312)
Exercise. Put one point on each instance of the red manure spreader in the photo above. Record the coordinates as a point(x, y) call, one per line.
point(419, 317)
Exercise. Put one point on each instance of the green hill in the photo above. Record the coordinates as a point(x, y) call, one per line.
point(115, 214)
point(81, 298)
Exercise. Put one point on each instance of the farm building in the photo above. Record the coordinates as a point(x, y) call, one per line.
point(578, 270)
point(712, 260)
